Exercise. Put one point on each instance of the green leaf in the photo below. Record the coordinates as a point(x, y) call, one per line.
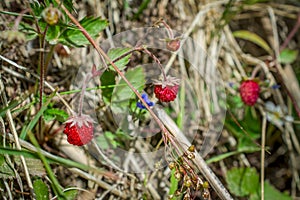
point(116, 53)
point(107, 79)
point(288, 56)
point(107, 139)
point(252, 37)
point(174, 183)
point(70, 194)
point(271, 193)
point(55, 113)
point(50, 158)
point(242, 181)
point(33, 122)
point(246, 130)
point(40, 190)
point(10, 106)
point(122, 93)
point(28, 30)
point(221, 157)
point(244, 149)
point(73, 36)
point(251, 2)
point(6, 172)
point(52, 34)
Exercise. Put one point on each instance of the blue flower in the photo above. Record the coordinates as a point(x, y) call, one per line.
point(275, 86)
point(141, 105)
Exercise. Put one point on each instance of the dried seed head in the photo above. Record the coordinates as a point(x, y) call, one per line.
point(205, 194)
point(177, 175)
point(205, 185)
point(190, 155)
point(187, 182)
point(178, 193)
point(187, 196)
point(172, 165)
point(192, 148)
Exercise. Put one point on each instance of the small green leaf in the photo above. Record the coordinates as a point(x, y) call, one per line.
point(221, 157)
point(107, 79)
point(122, 93)
point(33, 122)
point(70, 194)
point(245, 149)
point(6, 172)
point(288, 56)
point(10, 106)
point(73, 36)
point(271, 193)
point(116, 53)
point(251, 2)
point(252, 37)
point(174, 183)
point(40, 190)
point(106, 140)
point(242, 181)
point(55, 113)
point(52, 34)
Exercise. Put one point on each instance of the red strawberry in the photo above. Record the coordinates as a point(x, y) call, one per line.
point(166, 94)
point(249, 91)
point(79, 130)
point(166, 90)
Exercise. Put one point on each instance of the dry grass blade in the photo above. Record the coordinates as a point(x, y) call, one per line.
point(15, 134)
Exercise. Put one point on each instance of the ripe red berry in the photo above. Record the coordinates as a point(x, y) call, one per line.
point(166, 94)
point(79, 130)
point(166, 90)
point(249, 91)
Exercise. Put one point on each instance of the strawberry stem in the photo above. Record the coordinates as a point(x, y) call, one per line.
point(88, 77)
point(168, 28)
point(157, 61)
point(83, 89)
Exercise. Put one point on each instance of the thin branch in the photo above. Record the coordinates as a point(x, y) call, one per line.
point(291, 34)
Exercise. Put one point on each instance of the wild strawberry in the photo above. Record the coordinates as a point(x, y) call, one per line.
point(166, 90)
point(79, 129)
point(249, 91)
point(173, 44)
point(51, 15)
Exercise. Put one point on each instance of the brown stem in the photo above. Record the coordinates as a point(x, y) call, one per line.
point(127, 53)
point(283, 46)
point(19, 18)
point(42, 79)
point(170, 32)
point(83, 89)
point(157, 61)
point(255, 71)
point(291, 34)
